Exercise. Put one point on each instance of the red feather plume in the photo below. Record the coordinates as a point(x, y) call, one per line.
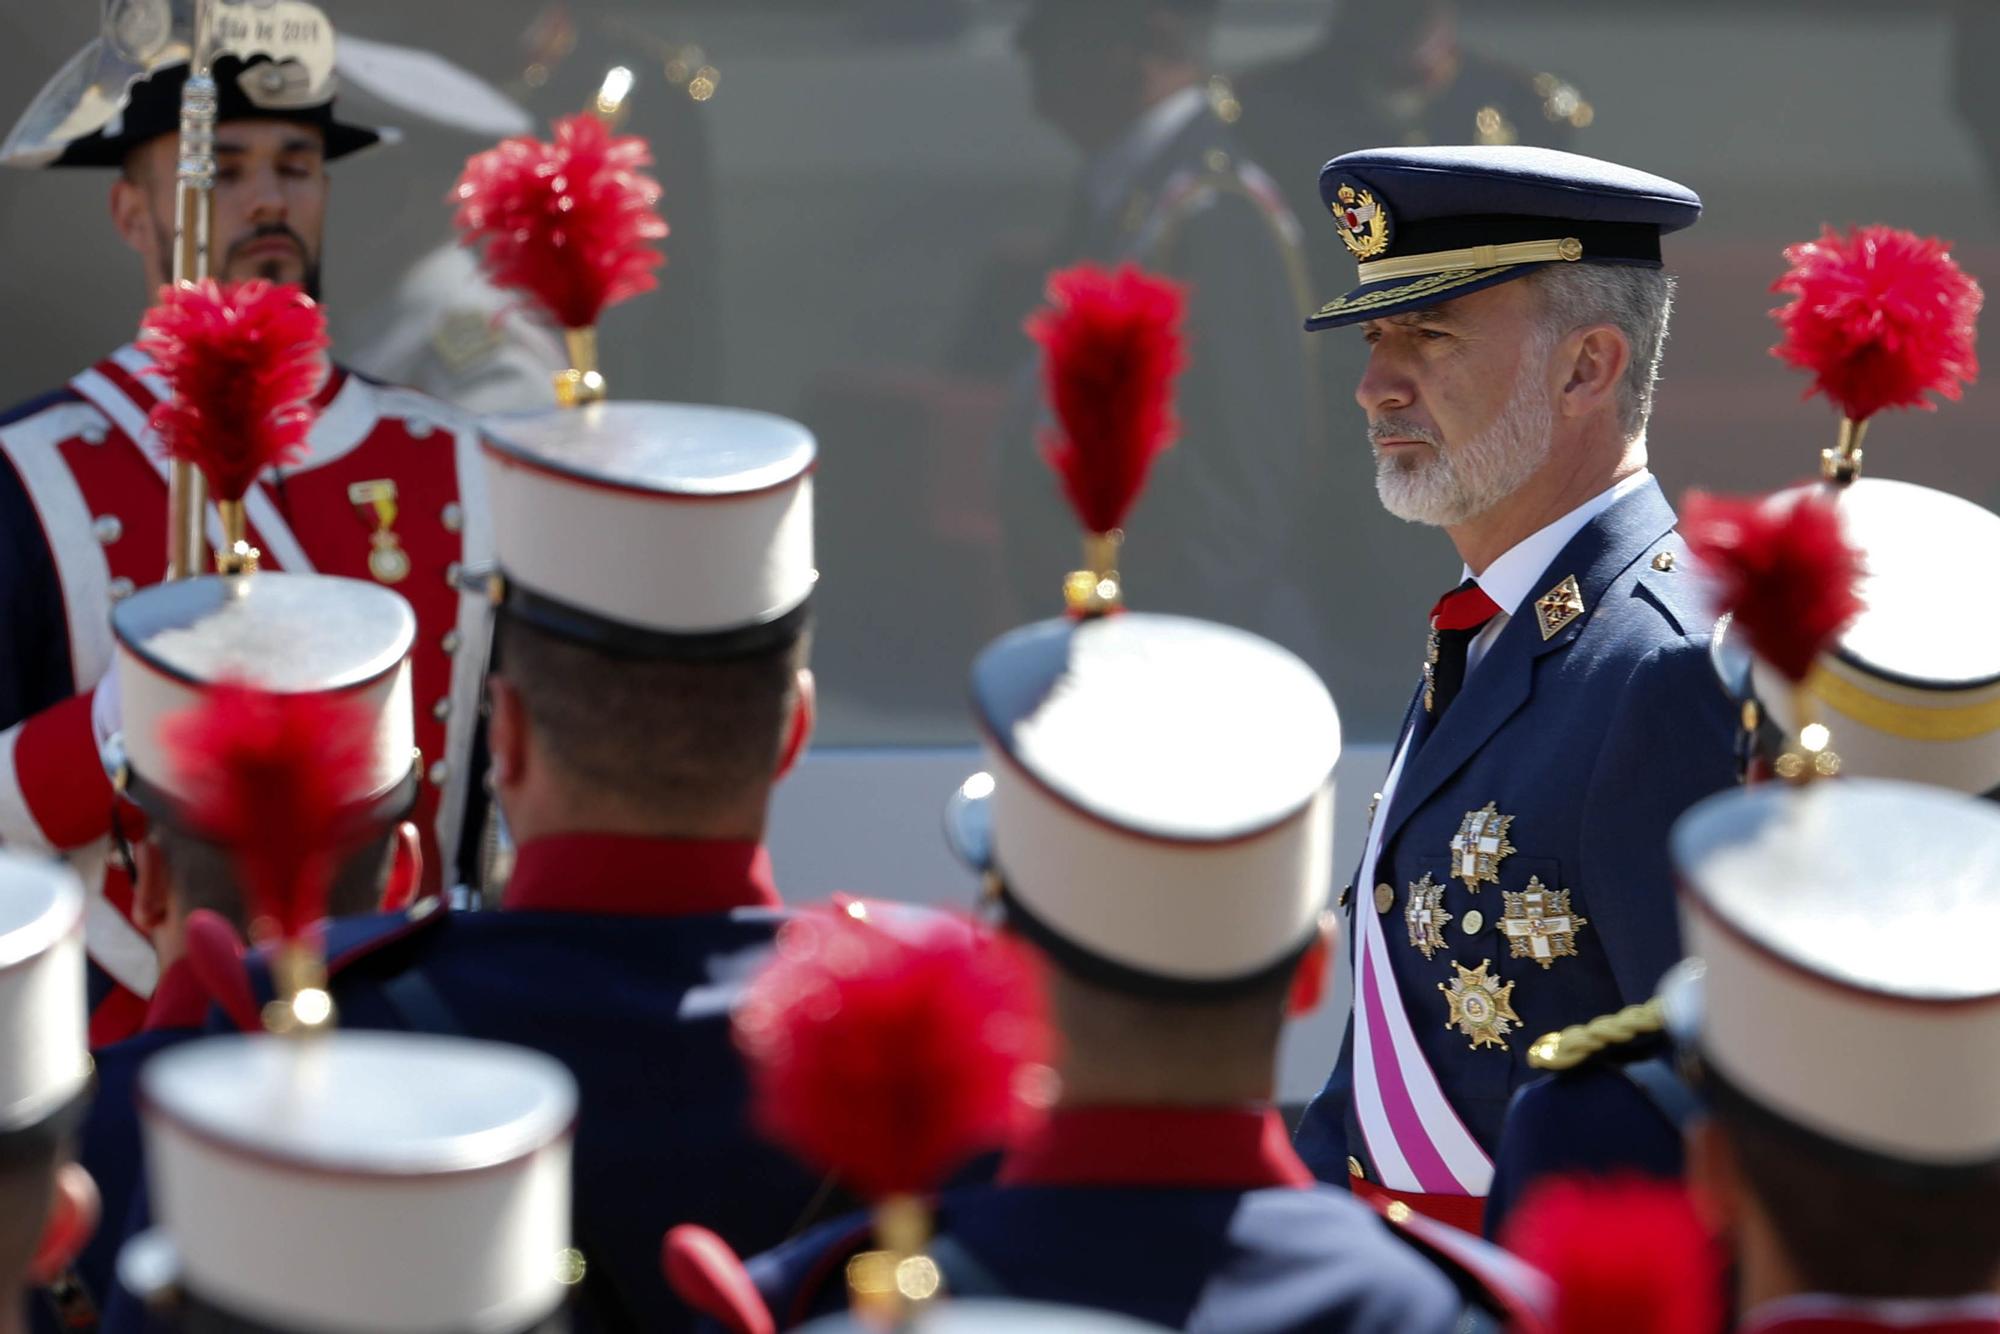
point(241, 363)
point(1783, 568)
point(570, 222)
point(274, 778)
point(891, 1056)
point(1111, 347)
point(1881, 317)
point(1626, 1256)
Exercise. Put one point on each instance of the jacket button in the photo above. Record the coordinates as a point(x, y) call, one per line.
point(107, 528)
point(1385, 897)
point(453, 517)
point(120, 588)
point(450, 642)
point(451, 573)
point(438, 773)
point(441, 710)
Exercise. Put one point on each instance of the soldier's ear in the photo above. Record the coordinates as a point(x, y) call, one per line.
point(1714, 1178)
point(152, 894)
point(74, 1207)
point(805, 712)
point(1309, 981)
point(506, 731)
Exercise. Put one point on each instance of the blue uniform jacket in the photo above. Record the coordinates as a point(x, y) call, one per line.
point(637, 1004)
point(1594, 740)
point(1621, 1112)
point(1186, 1229)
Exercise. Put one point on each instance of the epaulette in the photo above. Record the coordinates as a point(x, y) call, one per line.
point(1580, 1042)
point(1489, 1278)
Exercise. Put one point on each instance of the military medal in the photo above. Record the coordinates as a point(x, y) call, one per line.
point(1481, 1006)
point(376, 502)
point(1426, 916)
point(1559, 606)
point(1539, 925)
point(1479, 846)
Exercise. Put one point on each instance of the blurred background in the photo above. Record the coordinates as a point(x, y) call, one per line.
point(864, 194)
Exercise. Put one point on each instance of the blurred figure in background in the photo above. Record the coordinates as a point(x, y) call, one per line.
point(1166, 185)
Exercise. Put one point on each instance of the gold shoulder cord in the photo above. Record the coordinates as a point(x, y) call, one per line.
point(1579, 1042)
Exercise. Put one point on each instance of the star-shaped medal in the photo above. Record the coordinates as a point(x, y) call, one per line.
point(1482, 1006)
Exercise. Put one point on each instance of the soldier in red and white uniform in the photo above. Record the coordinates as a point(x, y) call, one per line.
point(389, 490)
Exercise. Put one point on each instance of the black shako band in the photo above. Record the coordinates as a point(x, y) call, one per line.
point(621, 640)
point(1094, 967)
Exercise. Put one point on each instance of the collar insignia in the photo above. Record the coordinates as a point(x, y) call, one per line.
point(1558, 607)
point(1364, 222)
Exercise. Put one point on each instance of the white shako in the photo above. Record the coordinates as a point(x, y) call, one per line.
point(1157, 809)
point(653, 530)
point(283, 633)
point(983, 1315)
point(355, 1181)
point(1911, 689)
point(44, 1049)
point(1841, 978)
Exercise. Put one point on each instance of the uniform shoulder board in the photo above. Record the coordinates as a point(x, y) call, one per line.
point(1579, 1043)
point(1495, 1284)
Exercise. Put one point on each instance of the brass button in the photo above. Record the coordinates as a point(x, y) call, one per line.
point(1472, 922)
point(450, 642)
point(107, 528)
point(1664, 562)
point(453, 517)
point(1354, 1168)
point(441, 710)
point(1398, 1212)
point(1346, 894)
point(119, 589)
point(451, 573)
point(1385, 897)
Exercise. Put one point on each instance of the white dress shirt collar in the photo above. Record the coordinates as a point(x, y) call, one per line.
point(1510, 580)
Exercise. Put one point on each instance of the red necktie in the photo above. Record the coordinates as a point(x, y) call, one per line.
point(1458, 616)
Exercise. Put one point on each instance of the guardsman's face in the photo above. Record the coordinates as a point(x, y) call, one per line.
point(1459, 410)
point(270, 203)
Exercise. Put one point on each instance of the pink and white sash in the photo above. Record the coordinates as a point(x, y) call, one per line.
point(1417, 1142)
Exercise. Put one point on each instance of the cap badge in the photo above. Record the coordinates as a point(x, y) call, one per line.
point(1426, 916)
point(1479, 846)
point(1482, 1006)
point(1364, 223)
point(1559, 606)
point(1539, 925)
point(375, 502)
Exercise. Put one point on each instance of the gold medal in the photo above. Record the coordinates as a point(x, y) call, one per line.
point(1482, 1006)
point(1479, 846)
point(375, 501)
point(1539, 924)
point(1426, 917)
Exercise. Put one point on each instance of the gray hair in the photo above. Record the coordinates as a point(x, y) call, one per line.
point(1635, 301)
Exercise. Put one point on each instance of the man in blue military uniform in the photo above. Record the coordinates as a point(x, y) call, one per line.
point(1157, 823)
point(345, 638)
point(1906, 691)
point(653, 590)
point(1514, 880)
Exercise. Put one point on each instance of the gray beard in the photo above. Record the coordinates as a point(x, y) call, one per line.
point(1448, 487)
